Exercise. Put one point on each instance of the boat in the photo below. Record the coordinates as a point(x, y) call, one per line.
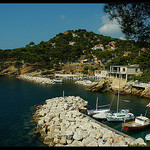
point(57, 80)
point(122, 115)
point(139, 123)
point(96, 111)
point(147, 137)
point(102, 113)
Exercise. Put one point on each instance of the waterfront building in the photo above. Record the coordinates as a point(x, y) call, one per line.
point(126, 72)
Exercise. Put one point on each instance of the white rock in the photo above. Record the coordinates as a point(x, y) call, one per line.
point(63, 140)
point(139, 141)
point(69, 132)
point(78, 134)
point(93, 143)
point(107, 135)
point(41, 122)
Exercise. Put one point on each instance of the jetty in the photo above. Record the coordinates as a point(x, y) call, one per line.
point(41, 80)
point(60, 122)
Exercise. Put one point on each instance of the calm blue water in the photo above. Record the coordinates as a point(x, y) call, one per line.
point(18, 99)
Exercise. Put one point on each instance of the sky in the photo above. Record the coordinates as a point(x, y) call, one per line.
point(21, 23)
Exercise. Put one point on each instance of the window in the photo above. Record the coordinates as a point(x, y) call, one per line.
point(136, 70)
point(123, 69)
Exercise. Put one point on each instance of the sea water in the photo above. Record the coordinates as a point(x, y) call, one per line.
point(19, 98)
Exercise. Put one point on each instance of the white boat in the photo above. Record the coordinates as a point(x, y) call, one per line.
point(147, 137)
point(122, 115)
point(99, 113)
point(57, 80)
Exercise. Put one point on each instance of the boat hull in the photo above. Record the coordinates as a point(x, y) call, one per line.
point(128, 126)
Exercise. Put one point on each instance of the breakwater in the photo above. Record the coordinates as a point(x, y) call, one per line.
point(41, 80)
point(60, 123)
point(86, 83)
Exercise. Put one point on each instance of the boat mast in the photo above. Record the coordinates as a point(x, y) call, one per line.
point(63, 94)
point(96, 103)
point(118, 94)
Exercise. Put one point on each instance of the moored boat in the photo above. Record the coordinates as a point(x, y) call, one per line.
point(96, 111)
point(101, 114)
point(122, 115)
point(147, 137)
point(58, 80)
point(139, 123)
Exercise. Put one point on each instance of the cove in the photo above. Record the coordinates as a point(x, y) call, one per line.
point(18, 99)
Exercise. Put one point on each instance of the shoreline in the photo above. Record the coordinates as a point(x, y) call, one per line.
point(103, 85)
point(60, 123)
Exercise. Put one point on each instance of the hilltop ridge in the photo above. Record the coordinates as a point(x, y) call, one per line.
point(76, 46)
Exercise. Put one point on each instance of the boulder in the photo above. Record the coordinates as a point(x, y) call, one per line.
point(63, 140)
point(118, 139)
point(77, 136)
point(128, 140)
point(56, 140)
point(107, 135)
point(41, 122)
point(69, 132)
point(47, 140)
point(139, 141)
point(76, 143)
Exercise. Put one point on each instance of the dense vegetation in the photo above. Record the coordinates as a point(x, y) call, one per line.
point(70, 45)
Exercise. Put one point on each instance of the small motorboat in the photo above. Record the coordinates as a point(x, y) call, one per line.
point(139, 123)
point(147, 137)
point(57, 80)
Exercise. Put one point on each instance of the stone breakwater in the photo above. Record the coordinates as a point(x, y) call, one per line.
point(86, 83)
point(61, 124)
point(37, 79)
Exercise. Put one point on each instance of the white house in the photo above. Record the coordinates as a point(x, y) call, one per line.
point(98, 46)
point(101, 73)
point(126, 72)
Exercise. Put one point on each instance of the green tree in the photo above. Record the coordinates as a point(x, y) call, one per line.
point(134, 19)
point(31, 43)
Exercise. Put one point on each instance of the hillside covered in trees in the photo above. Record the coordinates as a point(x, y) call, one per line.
point(71, 45)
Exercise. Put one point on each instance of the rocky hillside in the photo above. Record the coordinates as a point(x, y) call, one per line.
point(111, 85)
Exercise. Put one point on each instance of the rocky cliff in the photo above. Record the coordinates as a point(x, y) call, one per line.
point(112, 85)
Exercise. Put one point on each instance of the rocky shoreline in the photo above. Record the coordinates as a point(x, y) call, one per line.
point(111, 85)
point(60, 123)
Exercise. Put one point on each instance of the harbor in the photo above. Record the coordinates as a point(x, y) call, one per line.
point(28, 95)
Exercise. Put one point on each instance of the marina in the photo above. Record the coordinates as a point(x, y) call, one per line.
point(24, 96)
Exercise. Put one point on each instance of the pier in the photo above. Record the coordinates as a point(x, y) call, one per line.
point(141, 85)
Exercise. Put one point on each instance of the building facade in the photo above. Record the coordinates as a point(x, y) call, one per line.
point(101, 73)
point(126, 72)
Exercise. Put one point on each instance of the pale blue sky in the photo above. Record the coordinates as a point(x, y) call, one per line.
point(22, 23)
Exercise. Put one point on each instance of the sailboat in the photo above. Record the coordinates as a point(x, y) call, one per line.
point(122, 115)
point(99, 113)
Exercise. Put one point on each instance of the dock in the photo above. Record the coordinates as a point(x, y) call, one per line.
point(141, 85)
